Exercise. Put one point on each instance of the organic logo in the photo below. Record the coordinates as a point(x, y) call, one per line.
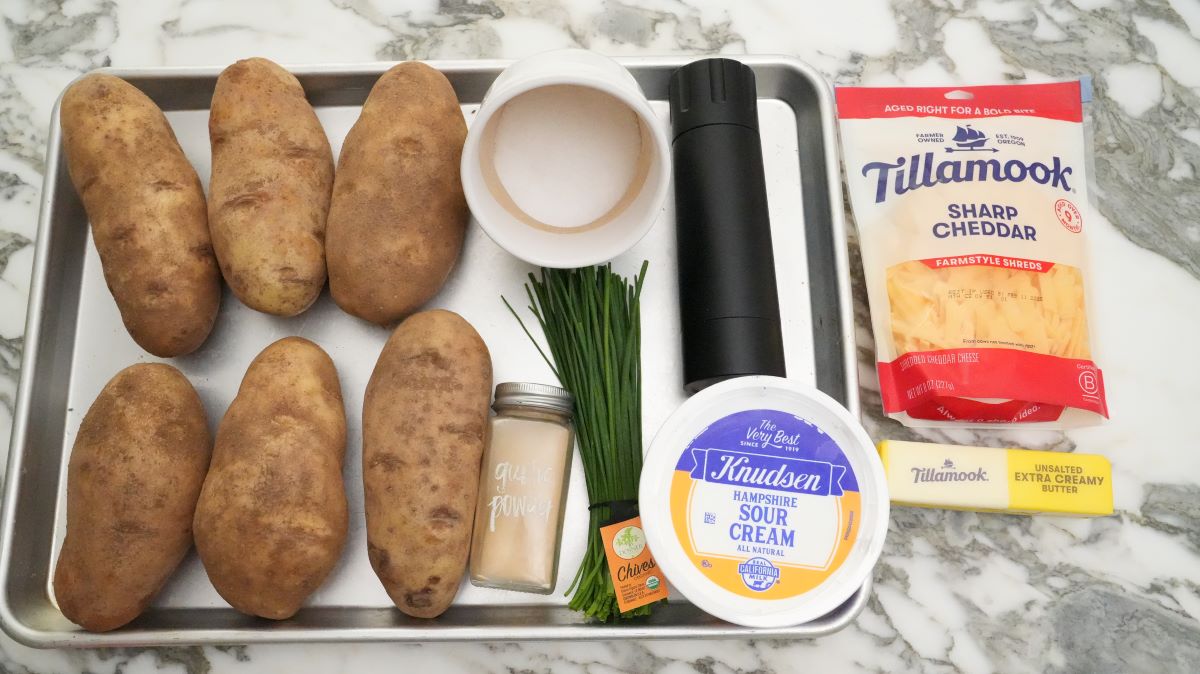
point(967, 139)
point(629, 542)
point(652, 583)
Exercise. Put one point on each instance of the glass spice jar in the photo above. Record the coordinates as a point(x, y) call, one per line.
point(523, 488)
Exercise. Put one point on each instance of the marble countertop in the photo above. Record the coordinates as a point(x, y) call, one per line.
point(954, 591)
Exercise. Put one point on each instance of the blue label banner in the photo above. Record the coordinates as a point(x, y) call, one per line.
point(742, 469)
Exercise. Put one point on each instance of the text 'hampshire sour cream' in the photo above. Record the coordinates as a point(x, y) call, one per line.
point(764, 502)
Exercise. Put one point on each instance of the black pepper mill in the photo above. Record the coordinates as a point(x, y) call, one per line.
point(728, 300)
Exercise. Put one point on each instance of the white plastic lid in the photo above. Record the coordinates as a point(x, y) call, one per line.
point(764, 502)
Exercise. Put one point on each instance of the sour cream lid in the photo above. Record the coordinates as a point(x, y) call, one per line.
point(764, 502)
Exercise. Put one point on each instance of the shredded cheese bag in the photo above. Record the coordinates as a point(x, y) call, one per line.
point(970, 208)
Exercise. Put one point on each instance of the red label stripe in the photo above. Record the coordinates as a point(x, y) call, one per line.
point(976, 412)
point(1035, 381)
point(980, 259)
point(1054, 100)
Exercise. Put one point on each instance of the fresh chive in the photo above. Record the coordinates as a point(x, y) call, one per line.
point(591, 320)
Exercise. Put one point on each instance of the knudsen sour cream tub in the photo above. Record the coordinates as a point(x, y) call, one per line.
point(764, 502)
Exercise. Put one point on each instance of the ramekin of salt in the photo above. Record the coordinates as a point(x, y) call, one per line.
point(566, 164)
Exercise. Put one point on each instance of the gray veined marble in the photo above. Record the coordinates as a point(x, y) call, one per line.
point(955, 592)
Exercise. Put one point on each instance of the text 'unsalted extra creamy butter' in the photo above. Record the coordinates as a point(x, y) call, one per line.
point(971, 204)
point(764, 502)
point(931, 475)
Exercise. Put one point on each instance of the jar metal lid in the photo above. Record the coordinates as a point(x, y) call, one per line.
point(538, 396)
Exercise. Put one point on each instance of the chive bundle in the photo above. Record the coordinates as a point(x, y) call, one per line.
point(591, 319)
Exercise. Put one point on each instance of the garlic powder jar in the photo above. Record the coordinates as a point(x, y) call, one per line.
point(522, 489)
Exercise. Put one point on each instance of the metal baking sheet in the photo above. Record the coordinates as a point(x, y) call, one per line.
point(74, 342)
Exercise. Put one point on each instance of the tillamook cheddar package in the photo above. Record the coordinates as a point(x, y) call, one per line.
point(970, 204)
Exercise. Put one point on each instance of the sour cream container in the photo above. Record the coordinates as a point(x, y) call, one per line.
point(764, 502)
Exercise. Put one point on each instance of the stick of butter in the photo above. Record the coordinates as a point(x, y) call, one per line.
point(931, 475)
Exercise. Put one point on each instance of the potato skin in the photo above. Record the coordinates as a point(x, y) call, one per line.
point(270, 188)
point(398, 216)
point(272, 516)
point(132, 482)
point(147, 211)
point(424, 427)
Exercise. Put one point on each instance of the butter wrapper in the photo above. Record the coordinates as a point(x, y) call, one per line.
point(987, 479)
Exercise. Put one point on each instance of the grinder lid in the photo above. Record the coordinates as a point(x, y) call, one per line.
point(712, 91)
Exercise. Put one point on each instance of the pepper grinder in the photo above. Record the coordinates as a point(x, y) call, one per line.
point(728, 302)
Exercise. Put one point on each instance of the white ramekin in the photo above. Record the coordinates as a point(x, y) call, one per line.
point(566, 248)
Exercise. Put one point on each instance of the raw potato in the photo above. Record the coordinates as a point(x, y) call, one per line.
point(147, 211)
point(424, 425)
point(398, 216)
point(269, 194)
point(132, 483)
point(272, 516)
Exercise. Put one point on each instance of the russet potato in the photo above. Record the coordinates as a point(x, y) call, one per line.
point(272, 516)
point(132, 483)
point(272, 174)
point(398, 216)
point(147, 210)
point(425, 418)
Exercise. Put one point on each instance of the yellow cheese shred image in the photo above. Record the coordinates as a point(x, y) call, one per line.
point(988, 307)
